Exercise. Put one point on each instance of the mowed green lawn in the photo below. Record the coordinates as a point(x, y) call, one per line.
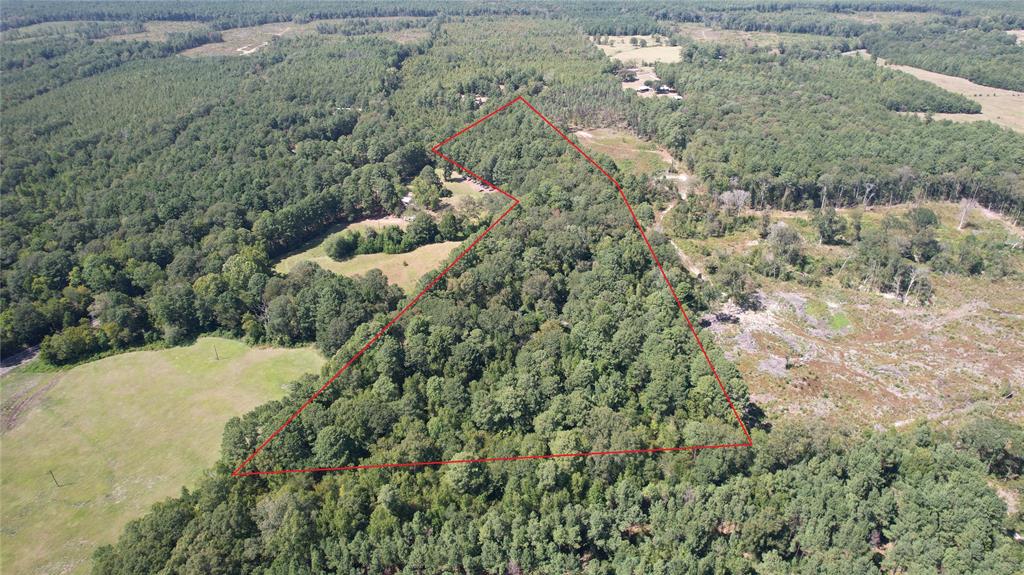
point(120, 434)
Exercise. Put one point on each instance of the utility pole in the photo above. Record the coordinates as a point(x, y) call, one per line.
point(55, 482)
point(217, 355)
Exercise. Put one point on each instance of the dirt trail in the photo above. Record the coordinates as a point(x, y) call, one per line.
point(23, 401)
point(19, 359)
point(687, 262)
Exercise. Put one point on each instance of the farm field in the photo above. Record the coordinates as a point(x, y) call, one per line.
point(852, 357)
point(1002, 107)
point(120, 434)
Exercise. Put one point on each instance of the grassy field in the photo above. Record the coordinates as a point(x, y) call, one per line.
point(628, 151)
point(316, 249)
point(463, 192)
point(401, 269)
point(855, 357)
point(619, 48)
point(120, 434)
point(1003, 107)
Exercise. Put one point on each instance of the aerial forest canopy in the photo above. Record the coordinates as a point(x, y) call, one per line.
point(147, 194)
point(124, 203)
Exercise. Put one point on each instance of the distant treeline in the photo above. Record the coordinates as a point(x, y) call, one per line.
point(796, 128)
point(88, 30)
point(355, 27)
point(989, 58)
point(37, 67)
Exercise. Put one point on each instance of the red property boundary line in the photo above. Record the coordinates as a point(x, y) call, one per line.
point(238, 472)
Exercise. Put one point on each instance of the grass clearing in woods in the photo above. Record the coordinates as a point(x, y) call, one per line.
point(620, 48)
point(120, 434)
point(316, 250)
point(999, 106)
point(401, 269)
point(628, 151)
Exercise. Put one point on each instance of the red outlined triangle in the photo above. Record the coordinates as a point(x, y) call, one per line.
point(240, 470)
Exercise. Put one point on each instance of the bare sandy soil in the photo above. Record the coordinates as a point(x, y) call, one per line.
point(854, 357)
point(246, 41)
point(850, 356)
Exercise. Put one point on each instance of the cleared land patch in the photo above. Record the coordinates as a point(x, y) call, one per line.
point(251, 39)
point(464, 192)
point(702, 33)
point(245, 41)
point(855, 357)
point(894, 17)
point(157, 31)
point(1002, 107)
point(620, 48)
point(317, 249)
point(401, 269)
point(120, 434)
point(630, 152)
point(852, 357)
